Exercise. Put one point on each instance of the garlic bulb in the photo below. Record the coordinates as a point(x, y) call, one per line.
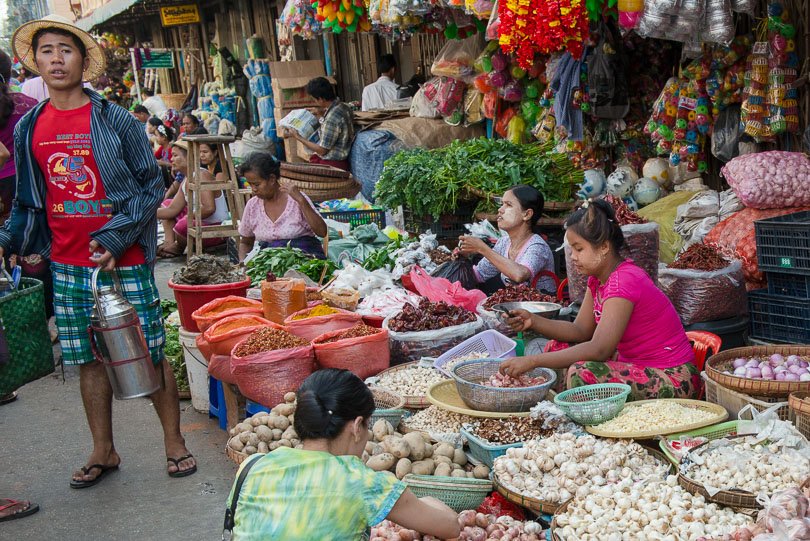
point(554, 469)
point(654, 510)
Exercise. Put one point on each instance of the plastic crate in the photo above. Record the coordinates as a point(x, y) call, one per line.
point(783, 243)
point(448, 226)
point(779, 319)
point(358, 217)
point(734, 401)
point(490, 342)
point(789, 285)
point(484, 452)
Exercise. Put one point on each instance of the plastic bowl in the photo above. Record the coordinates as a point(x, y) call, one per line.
point(468, 376)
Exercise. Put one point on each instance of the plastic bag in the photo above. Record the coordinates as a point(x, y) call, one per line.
point(441, 289)
point(207, 314)
point(450, 96)
point(267, 376)
point(456, 59)
point(663, 212)
point(412, 346)
point(343, 298)
point(607, 86)
point(457, 270)
point(365, 356)
point(283, 297)
point(473, 107)
point(219, 368)
point(726, 134)
point(494, 24)
point(700, 296)
point(312, 327)
point(422, 106)
point(224, 334)
point(774, 179)
point(493, 321)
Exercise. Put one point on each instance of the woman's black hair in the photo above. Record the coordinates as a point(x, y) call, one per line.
point(213, 147)
point(529, 198)
point(262, 164)
point(155, 121)
point(596, 223)
point(321, 88)
point(327, 400)
point(6, 99)
point(193, 118)
point(166, 132)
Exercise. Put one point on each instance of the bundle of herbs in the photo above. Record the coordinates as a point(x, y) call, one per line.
point(279, 260)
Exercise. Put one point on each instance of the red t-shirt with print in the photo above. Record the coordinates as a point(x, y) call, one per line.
point(76, 201)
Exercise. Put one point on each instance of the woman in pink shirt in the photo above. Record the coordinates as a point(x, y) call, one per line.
point(627, 330)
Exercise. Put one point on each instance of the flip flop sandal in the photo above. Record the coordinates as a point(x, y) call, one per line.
point(177, 461)
point(30, 510)
point(8, 398)
point(103, 470)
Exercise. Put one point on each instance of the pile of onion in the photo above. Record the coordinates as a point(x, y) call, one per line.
point(776, 367)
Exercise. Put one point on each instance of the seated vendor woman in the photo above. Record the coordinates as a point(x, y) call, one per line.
point(323, 491)
point(622, 311)
point(336, 133)
point(277, 214)
point(520, 255)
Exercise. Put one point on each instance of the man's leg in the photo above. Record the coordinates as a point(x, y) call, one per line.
point(167, 404)
point(97, 398)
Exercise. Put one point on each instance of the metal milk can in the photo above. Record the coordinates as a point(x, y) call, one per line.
point(118, 342)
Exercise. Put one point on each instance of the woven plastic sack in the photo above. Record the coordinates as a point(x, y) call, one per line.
point(283, 297)
point(25, 327)
point(412, 346)
point(207, 314)
point(365, 356)
point(700, 296)
point(313, 327)
point(267, 376)
point(663, 212)
point(219, 367)
point(768, 180)
point(223, 335)
point(204, 347)
point(440, 289)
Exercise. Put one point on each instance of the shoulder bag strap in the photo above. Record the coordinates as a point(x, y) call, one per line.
point(230, 512)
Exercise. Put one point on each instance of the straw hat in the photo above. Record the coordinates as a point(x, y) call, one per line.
point(21, 43)
point(181, 144)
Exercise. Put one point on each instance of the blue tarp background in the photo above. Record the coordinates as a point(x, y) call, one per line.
point(370, 150)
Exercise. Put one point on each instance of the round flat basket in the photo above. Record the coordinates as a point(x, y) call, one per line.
point(444, 394)
point(299, 171)
point(527, 502)
point(562, 509)
point(717, 364)
point(719, 414)
point(411, 402)
point(236, 456)
point(468, 376)
point(459, 493)
point(325, 188)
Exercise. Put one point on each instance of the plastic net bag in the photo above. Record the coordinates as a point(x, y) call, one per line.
point(267, 376)
point(281, 298)
point(412, 346)
point(769, 180)
point(302, 325)
point(365, 356)
point(705, 296)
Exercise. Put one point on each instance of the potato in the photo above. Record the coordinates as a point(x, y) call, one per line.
point(423, 467)
point(295, 442)
point(236, 444)
point(284, 409)
point(273, 445)
point(265, 420)
point(289, 434)
point(458, 473)
point(364, 457)
point(442, 460)
point(377, 449)
point(243, 427)
point(460, 457)
point(481, 472)
point(245, 436)
point(403, 467)
point(456, 467)
point(428, 450)
point(369, 447)
point(233, 432)
point(256, 420)
point(370, 435)
point(289, 397)
point(381, 429)
point(416, 444)
point(253, 439)
point(284, 443)
point(442, 470)
point(250, 450)
point(263, 448)
point(381, 462)
point(277, 433)
point(470, 475)
point(264, 433)
point(281, 422)
point(444, 449)
point(397, 446)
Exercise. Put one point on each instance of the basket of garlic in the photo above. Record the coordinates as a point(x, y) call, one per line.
point(545, 473)
point(411, 381)
point(650, 509)
point(264, 432)
point(737, 471)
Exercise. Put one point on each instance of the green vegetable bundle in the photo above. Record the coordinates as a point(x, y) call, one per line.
point(432, 181)
point(280, 260)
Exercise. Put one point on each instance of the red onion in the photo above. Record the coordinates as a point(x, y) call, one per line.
point(781, 376)
point(805, 377)
point(753, 373)
point(775, 367)
point(767, 372)
point(776, 358)
point(740, 371)
point(789, 376)
point(739, 362)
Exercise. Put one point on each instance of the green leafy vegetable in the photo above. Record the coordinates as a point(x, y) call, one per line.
point(280, 260)
point(381, 257)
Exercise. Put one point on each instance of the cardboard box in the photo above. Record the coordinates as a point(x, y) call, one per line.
point(289, 81)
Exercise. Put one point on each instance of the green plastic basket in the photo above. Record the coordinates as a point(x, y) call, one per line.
point(459, 493)
point(485, 452)
point(714, 432)
point(593, 404)
point(388, 406)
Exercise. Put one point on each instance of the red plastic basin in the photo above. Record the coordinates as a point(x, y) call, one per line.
point(189, 298)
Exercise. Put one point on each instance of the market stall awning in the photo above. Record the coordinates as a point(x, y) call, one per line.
point(104, 13)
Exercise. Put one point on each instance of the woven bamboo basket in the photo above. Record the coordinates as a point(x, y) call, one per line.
point(237, 456)
point(562, 509)
point(387, 405)
point(311, 172)
point(173, 101)
point(459, 493)
point(799, 403)
point(755, 387)
point(411, 402)
point(527, 502)
point(719, 415)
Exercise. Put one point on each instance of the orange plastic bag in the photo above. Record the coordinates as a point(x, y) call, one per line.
point(219, 367)
point(223, 335)
point(207, 314)
point(312, 327)
point(283, 297)
point(267, 376)
point(204, 347)
point(365, 356)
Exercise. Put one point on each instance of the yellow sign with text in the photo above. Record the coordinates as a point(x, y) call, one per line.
point(176, 15)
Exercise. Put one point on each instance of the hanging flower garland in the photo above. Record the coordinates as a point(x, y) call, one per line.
point(529, 27)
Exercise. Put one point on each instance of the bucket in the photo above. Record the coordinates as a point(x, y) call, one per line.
point(733, 331)
point(197, 370)
point(189, 298)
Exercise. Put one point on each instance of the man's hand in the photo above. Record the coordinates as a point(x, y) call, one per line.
point(106, 260)
point(292, 190)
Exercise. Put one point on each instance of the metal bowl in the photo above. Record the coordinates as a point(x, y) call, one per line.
point(547, 310)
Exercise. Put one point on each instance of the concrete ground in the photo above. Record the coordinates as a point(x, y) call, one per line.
point(44, 438)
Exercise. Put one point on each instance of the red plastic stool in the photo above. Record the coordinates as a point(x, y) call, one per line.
point(702, 343)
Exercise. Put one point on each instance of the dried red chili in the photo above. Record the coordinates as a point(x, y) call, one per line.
point(700, 257)
point(429, 316)
point(354, 332)
point(624, 216)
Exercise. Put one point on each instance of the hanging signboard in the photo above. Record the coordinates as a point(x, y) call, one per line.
point(177, 15)
point(156, 58)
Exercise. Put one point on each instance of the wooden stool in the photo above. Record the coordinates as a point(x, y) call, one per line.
point(197, 231)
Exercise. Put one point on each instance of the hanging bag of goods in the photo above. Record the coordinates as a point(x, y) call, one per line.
point(271, 362)
point(362, 349)
point(280, 298)
point(704, 286)
point(313, 322)
point(769, 180)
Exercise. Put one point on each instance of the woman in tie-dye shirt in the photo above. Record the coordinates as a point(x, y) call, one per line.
point(324, 491)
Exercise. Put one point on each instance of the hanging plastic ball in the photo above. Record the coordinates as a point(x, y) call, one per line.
point(702, 110)
point(517, 72)
point(586, 107)
point(692, 148)
point(681, 123)
point(691, 125)
point(679, 134)
point(702, 166)
point(704, 129)
point(702, 120)
point(674, 160)
point(683, 151)
point(789, 31)
point(486, 64)
point(691, 136)
point(665, 132)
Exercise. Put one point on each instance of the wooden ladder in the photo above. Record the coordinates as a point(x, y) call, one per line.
point(197, 231)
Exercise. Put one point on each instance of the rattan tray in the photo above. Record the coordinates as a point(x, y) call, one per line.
point(756, 387)
point(562, 509)
point(444, 395)
point(236, 456)
point(720, 415)
point(411, 402)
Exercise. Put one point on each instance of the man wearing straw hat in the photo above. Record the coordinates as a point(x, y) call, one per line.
point(88, 191)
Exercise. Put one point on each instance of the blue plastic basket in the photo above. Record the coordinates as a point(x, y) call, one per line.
point(593, 404)
point(486, 452)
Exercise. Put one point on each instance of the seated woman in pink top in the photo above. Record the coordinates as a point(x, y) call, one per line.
point(277, 215)
point(627, 330)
